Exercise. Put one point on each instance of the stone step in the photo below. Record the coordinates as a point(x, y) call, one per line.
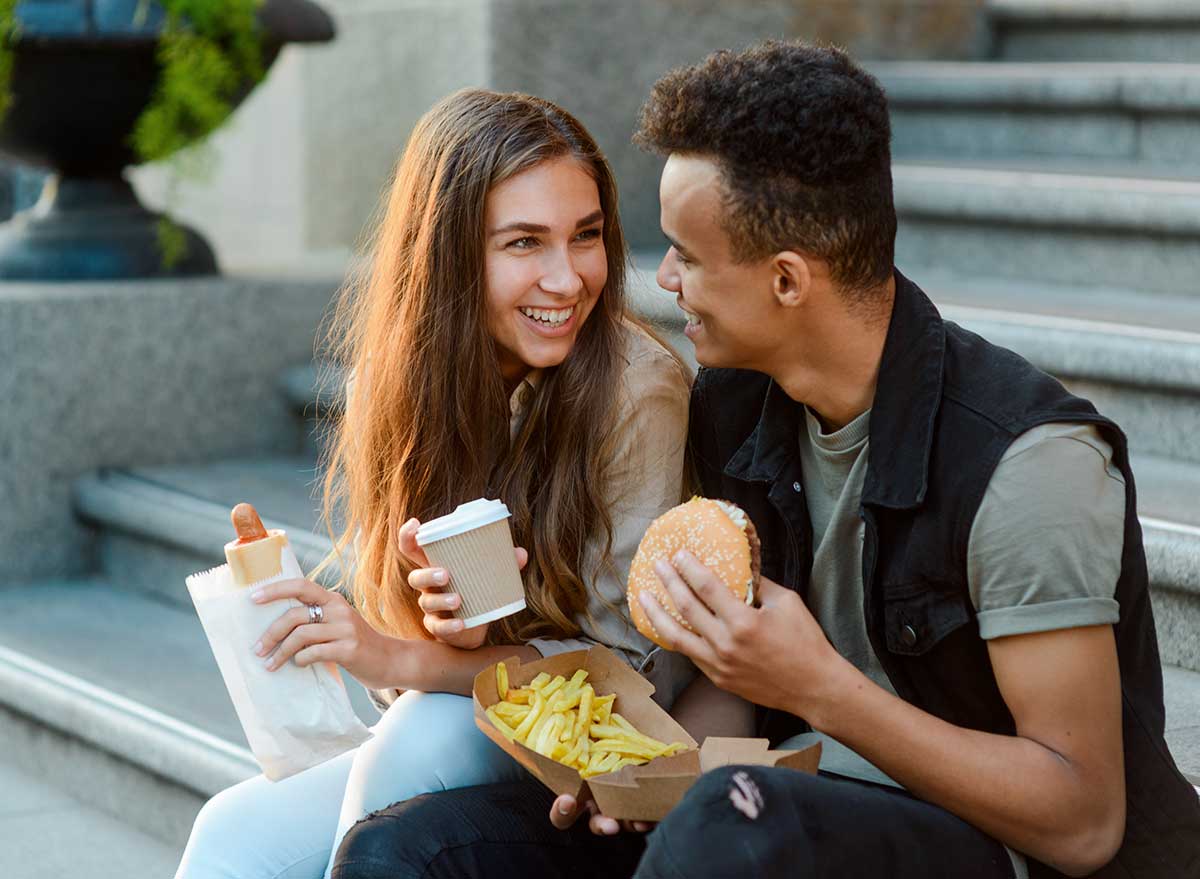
point(1006, 220)
point(1096, 30)
point(157, 525)
point(114, 696)
point(1143, 113)
point(45, 834)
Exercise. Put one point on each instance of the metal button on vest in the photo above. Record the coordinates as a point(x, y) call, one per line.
point(649, 666)
point(796, 486)
point(908, 635)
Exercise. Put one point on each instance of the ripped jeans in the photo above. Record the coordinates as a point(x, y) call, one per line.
point(290, 829)
point(735, 822)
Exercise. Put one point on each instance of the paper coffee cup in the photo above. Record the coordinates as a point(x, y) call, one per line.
point(474, 544)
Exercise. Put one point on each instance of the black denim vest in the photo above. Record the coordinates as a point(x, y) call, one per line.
point(947, 406)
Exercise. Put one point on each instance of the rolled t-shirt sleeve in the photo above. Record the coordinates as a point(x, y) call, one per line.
point(1045, 547)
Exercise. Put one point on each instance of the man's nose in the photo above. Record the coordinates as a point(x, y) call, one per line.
point(668, 272)
point(561, 276)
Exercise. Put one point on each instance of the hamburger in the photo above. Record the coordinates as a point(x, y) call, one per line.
point(716, 532)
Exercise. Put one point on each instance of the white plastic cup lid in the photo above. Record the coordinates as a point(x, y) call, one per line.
point(466, 517)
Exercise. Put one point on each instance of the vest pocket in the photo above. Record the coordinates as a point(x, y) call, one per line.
point(916, 616)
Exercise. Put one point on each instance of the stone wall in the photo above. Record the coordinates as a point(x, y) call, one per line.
point(299, 170)
point(136, 374)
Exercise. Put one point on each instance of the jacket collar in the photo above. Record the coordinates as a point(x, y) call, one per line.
point(907, 397)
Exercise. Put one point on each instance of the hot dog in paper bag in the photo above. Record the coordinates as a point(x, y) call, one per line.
point(293, 717)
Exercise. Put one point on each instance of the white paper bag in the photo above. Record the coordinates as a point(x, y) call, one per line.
point(293, 717)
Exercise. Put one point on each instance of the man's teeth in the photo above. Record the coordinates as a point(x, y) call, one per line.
point(692, 320)
point(551, 317)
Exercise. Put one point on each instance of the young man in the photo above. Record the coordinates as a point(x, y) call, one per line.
point(954, 593)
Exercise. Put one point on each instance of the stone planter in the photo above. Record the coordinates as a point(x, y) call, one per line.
point(83, 72)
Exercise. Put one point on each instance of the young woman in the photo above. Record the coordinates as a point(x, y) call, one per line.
point(493, 355)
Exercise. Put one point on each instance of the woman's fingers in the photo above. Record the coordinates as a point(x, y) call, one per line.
point(408, 544)
point(429, 579)
point(440, 627)
point(439, 602)
point(602, 825)
point(280, 629)
point(522, 557)
point(302, 590)
point(302, 637)
point(564, 812)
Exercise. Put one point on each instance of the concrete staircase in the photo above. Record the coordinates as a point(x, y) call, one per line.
point(1051, 205)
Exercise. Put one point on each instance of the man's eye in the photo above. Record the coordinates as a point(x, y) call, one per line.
point(523, 243)
point(681, 259)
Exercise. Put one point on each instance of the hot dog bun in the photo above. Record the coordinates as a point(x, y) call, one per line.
point(716, 532)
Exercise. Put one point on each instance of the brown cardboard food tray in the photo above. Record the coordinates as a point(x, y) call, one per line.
point(639, 793)
point(649, 792)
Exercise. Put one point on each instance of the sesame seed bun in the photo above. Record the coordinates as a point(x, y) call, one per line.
point(718, 533)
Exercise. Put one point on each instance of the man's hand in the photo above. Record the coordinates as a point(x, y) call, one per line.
point(775, 655)
point(565, 811)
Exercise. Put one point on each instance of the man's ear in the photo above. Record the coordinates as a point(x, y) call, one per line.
point(792, 278)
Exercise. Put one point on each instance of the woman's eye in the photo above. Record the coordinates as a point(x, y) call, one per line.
point(523, 243)
point(588, 235)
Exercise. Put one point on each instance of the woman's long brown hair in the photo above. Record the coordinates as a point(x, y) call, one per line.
point(427, 424)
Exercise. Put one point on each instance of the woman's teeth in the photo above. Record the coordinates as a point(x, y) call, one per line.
point(550, 317)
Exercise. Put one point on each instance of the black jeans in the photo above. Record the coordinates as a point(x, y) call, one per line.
point(738, 821)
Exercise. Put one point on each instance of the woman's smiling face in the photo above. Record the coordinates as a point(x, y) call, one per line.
point(545, 265)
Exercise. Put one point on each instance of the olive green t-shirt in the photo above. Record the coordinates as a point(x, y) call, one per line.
point(1044, 551)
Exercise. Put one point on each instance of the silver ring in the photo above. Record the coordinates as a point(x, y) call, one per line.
point(316, 614)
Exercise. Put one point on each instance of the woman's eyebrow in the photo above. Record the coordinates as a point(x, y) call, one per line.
point(536, 228)
point(521, 226)
point(594, 217)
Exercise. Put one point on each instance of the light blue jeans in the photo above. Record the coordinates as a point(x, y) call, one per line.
point(290, 829)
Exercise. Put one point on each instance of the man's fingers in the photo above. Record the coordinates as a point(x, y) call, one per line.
point(691, 608)
point(439, 602)
point(711, 590)
point(408, 544)
point(674, 635)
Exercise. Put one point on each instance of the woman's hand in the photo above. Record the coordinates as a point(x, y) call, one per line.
point(438, 604)
point(565, 811)
point(342, 636)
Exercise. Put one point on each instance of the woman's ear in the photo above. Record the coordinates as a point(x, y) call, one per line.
point(792, 278)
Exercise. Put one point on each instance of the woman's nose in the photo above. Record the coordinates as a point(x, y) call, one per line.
point(561, 276)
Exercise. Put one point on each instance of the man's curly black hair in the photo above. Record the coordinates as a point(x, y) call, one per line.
point(802, 138)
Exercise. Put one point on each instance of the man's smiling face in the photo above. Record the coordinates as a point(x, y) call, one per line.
point(732, 318)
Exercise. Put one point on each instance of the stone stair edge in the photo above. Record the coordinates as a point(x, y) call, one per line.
point(993, 193)
point(132, 504)
point(1107, 11)
point(121, 727)
point(1118, 86)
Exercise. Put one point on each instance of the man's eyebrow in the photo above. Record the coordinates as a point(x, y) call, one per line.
point(679, 249)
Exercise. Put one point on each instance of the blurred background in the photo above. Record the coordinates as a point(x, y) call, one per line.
point(161, 292)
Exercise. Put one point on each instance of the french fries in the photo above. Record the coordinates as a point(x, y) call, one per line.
point(566, 721)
